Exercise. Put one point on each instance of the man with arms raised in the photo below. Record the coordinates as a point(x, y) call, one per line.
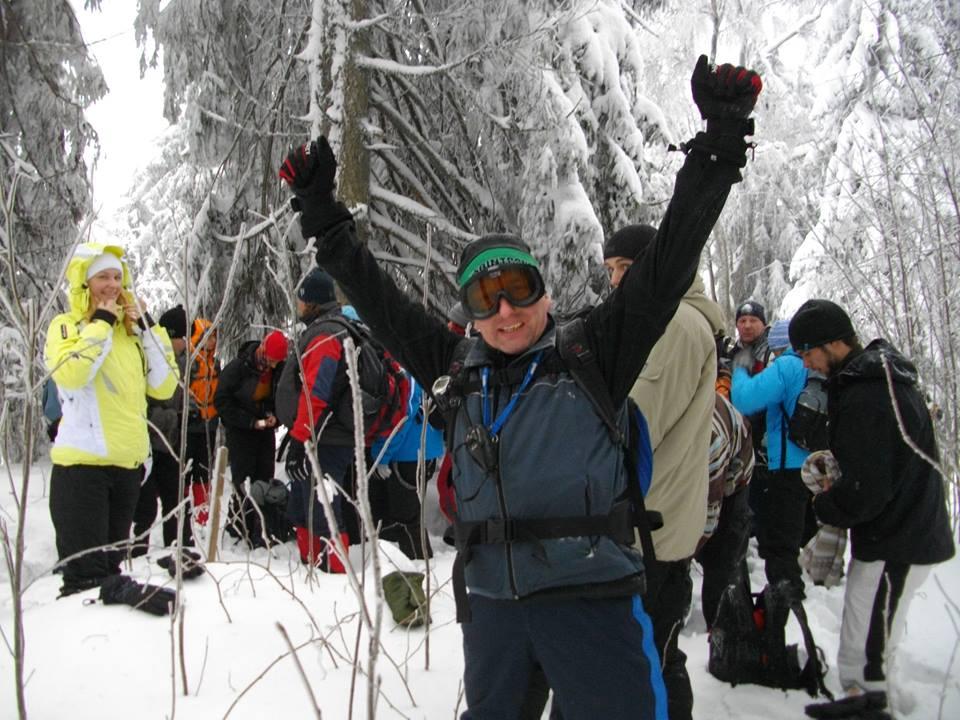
point(543, 526)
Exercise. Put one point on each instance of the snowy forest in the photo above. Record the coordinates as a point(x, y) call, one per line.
point(551, 119)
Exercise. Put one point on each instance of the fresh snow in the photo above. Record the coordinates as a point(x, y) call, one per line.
point(86, 660)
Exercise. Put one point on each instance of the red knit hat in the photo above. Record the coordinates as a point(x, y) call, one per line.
point(275, 346)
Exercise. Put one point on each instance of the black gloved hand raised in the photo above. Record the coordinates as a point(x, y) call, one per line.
point(725, 96)
point(297, 464)
point(310, 170)
point(153, 599)
point(724, 92)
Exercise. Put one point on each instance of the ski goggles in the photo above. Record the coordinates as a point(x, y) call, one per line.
point(520, 285)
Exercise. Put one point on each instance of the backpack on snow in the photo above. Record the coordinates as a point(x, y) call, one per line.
point(748, 642)
point(807, 427)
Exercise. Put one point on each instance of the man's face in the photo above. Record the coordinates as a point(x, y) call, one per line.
point(512, 330)
point(825, 359)
point(616, 267)
point(749, 328)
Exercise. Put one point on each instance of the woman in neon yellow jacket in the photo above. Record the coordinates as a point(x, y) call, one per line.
point(106, 356)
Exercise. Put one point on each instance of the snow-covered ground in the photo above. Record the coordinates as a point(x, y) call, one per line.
point(85, 660)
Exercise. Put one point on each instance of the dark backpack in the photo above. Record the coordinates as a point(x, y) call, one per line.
point(748, 641)
point(808, 427)
point(384, 388)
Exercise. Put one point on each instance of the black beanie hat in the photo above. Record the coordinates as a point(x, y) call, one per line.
point(629, 242)
point(818, 322)
point(751, 307)
point(317, 288)
point(490, 251)
point(174, 321)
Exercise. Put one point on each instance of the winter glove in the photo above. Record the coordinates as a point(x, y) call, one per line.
point(404, 594)
point(191, 562)
point(725, 96)
point(153, 599)
point(310, 170)
point(725, 92)
point(298, 464)
point(820, 471)
point(743, 359)
point(822, 558)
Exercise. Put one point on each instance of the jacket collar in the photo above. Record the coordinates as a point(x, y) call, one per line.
point(482, 354)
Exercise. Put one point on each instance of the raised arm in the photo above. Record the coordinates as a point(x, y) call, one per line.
point(625, 327)
point(419, 341)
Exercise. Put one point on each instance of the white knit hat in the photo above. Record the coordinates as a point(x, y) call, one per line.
point(104, 261)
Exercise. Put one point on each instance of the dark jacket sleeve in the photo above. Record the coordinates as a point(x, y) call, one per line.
point(420, 342)
point(231, 411)
point(864, 438)
point(625, 327)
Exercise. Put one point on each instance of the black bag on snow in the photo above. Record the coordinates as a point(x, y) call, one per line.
point(748, 642)
point(807, 427)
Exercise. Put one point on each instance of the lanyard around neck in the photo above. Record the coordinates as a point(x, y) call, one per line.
point(495, 426)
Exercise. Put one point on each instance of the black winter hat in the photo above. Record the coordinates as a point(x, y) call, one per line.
point(317, 288)
point(629, 242)
point(818, 322)
point(752, 307)
point(174, 321)
point(491, 251)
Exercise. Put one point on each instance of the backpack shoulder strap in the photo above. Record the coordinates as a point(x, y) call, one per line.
point(581, 361)
point(814, 670)
point(582, 364)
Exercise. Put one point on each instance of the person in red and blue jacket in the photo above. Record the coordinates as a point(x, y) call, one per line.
point(306, 403)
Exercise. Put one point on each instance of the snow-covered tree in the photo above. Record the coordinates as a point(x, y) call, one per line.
point(888, 226)
point(48, 80)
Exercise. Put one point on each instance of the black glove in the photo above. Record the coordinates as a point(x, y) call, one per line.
point(149, 598)
point(310, 170)
point(724, 92)
point(191, 562)
point(725, 96)
point(298, 464)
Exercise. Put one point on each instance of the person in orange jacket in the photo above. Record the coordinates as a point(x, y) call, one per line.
point(202, 421)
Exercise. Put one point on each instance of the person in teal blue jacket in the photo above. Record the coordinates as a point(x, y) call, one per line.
point(787, 521)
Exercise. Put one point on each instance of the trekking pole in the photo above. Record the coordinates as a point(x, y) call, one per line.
point(219, 470)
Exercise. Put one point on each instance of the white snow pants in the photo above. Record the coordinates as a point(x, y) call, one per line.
point(875, 605)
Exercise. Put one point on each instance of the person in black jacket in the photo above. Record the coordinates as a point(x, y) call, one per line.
point(164, 483)
point(245, 404)
point(889, 491)
point(534, 466)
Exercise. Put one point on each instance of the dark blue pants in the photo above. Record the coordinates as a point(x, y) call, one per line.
point(597, 655)
point(336, 462)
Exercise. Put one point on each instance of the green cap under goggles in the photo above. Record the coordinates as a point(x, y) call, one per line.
point(496, 266)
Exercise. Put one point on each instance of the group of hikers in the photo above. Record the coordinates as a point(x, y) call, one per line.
point(584, 463)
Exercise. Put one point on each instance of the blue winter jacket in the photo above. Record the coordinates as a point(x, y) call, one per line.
point(774, 389)
point(405, 445)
